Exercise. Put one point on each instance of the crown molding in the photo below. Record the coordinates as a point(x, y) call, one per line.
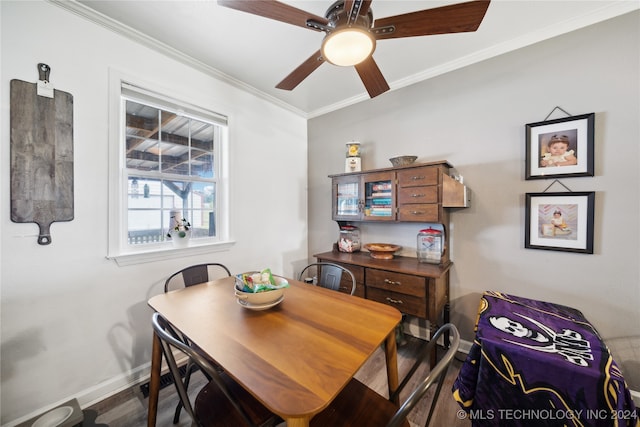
point(143, 39)
point(606, 12)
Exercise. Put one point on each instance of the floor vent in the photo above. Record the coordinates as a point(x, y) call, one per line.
point(165, 380)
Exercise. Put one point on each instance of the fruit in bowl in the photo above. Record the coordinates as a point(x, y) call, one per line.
point(260, 288)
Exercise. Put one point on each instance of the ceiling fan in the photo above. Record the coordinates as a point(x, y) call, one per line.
point(351, 32)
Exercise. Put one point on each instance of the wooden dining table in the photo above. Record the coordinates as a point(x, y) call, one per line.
point(295, 357)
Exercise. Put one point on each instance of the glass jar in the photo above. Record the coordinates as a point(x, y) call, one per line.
point(430, 246)
point(349, 240)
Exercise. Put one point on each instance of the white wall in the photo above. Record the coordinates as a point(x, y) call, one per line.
point(475, 118)
point(74, 324)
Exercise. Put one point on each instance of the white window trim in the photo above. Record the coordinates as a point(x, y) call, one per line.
point(118, 249)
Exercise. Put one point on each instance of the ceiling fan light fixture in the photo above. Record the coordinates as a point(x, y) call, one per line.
point(348, 46)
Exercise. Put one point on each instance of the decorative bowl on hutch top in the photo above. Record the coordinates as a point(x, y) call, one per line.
point(402, 160)
point(382, 250)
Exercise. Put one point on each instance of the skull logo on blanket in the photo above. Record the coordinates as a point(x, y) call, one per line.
point(567, 343)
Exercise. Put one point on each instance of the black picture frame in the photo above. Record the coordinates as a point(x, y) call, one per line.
point(575, 134)
point(544, 230)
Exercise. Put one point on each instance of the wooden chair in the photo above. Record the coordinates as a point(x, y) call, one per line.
point(189, 276)
point(359, 406)
point(220, 403)
point(330, 276)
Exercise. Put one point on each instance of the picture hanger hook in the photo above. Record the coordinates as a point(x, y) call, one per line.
point(43, 72)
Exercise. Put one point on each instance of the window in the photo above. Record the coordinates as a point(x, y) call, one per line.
point(170, 167)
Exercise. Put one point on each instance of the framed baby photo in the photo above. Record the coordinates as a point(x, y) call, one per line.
point(560, 221)
point(560, 148)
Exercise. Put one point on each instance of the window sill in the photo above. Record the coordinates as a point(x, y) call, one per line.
point(166, 251)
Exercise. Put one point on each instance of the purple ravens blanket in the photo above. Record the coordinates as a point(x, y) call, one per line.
point(534, 363)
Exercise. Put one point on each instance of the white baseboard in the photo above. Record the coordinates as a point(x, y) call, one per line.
point(92, 395)
point(97, 393)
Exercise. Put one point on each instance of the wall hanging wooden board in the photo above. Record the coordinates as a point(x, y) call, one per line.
point(41, 157)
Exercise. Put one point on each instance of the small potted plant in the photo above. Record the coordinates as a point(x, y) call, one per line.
point(180, 233)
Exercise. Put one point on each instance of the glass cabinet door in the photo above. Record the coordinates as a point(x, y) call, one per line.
point(347, 198)
point(379, 197)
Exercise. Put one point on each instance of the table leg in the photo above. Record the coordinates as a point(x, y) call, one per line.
point(154, 381)
point(446, 319)
point(433, 357)
point(391, 354)
point(298, 422)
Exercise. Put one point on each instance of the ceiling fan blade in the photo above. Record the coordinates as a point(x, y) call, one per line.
point(456, 18)
point(364, 9)
point(274, 10)
point(302, 72)
point(372, 77)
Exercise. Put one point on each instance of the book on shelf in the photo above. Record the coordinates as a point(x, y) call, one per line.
point(372, 213)
point(380, 211)
point(386, 194)
point(385, 186)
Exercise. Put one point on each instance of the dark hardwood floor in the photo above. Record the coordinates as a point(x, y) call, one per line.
point(129, 408)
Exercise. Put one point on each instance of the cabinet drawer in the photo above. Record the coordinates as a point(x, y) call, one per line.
point(419, 212)
point(397, 282)
point(424, 194)
point(408, 304)
point(418, 176)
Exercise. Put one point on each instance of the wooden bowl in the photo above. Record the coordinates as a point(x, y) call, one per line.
point(382, 250)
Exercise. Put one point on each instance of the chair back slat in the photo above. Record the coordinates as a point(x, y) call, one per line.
point(195, 274)
point(330, 276)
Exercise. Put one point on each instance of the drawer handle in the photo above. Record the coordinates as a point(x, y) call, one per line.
point(391, 282)
point(416, 178)
point(394, 301)
point(418, 195)
point(417, 213)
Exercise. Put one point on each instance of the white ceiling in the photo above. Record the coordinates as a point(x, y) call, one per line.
point(256, 53)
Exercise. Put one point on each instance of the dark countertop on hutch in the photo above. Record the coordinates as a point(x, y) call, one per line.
point(399, 264)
